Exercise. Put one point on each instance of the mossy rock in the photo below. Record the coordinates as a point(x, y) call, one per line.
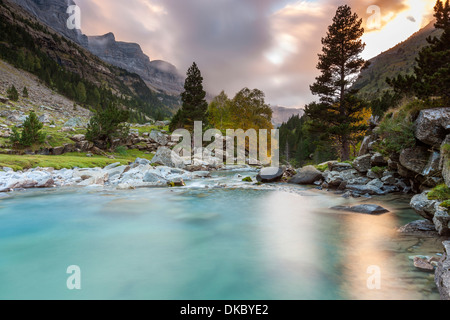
point(247, 179)
point(440, 193)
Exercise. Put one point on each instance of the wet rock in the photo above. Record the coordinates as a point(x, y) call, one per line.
point(363, 163)
point(423, 265)
point(307, 176)
point(377, 183)
point(363, 189)
point(424, 207)
point(364, 208)
point(431, 126)
point(272, 174)
point(201, 174)
point(442, 275)
point(425, 227)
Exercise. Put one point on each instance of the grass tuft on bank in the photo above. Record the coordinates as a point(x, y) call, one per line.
point(68, 160)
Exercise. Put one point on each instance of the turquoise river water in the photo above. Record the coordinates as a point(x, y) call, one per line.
point(207, 242)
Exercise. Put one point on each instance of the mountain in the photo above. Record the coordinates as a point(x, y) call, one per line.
point(282, 114)
point(69, 69)
point(159, 75)
point(397, 60)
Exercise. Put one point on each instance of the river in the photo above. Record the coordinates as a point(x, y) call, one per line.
point(217, 238)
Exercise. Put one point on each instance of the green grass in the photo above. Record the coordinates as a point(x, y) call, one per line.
point(441, 193)
point(323, 167)
point(68, 160)
point(149, 129)
point(379, 170)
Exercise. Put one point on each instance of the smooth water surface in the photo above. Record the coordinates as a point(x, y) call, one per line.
point(206, 243)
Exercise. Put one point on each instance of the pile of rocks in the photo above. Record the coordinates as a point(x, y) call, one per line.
point(432, 211)
point(354, 180)
point(139, 174)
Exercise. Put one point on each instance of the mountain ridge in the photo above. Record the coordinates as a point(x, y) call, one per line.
point(400, 59)
point(160, 77)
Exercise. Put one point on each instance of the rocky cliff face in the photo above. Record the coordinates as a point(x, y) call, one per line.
point(158, 75)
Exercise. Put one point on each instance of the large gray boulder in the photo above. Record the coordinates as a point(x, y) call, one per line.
point(363, 163)
point(432, 126)
point(415, 159)
point(442, 274)
point(306, 176)
point(424, 207)
point(271, 174)
point(166, 157)
point(159, 138)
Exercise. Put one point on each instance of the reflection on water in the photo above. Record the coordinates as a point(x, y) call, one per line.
point(199, 243)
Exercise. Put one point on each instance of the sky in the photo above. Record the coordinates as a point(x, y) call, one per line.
point(271, 45)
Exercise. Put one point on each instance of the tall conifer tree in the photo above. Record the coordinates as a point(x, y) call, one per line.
point(194, 103)
point(338, 115)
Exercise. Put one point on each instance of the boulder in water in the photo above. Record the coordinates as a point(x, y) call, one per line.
point(271, 174)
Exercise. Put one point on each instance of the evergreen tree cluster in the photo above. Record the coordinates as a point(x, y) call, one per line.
point(431, 78)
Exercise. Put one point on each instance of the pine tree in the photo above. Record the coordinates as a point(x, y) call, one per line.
point(194, 103)
point(431, 76)
point(12, 93)
point(31, 133)
point(81, 92)
point(25, 92)
point(337, 114)
point(107, 124)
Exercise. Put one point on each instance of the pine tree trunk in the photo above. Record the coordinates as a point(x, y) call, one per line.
point(345, 149)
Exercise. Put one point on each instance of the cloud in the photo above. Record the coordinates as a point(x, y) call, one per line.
point(267, 44)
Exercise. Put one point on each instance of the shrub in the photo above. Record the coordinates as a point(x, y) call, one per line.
point(31, 132)
point(397, 134)
point(12, 93)
point(108, 124)
point(440, 193)
point(379, 170)
point(121, 150)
